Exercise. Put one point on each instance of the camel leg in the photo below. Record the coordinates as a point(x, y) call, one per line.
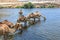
point(38, 18)
point(18, 21)
point(25, 23)
point(5, 36)
point(44, 18)
point(34, 20)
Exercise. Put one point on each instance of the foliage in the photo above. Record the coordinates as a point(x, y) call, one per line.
point(42, 6)
point(28, 5)
point(51, 6)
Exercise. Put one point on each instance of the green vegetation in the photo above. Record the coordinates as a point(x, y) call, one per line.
point(43, 6)
point(1, 7)
point(48, 6)
point(27, 5)
point(19, 7)
point(51, 6)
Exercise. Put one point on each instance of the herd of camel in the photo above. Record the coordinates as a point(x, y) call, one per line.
point(7, 27)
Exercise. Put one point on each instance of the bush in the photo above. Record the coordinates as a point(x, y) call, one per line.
point(19, 7)
point(42, 6)
point(28, 5)
point(51, 6)
point(1, 7)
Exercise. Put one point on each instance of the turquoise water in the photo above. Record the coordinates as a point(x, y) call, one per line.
point(48, 30)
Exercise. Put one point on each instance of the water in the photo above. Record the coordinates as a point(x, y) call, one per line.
point(48, 30)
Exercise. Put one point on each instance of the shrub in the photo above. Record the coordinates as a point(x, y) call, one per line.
point(51, 6)
point(42, 6)
point(28, 5)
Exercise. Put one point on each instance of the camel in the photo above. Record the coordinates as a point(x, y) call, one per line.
point(6, 30)
point(35, 15)
point(22, 18)
point(8, 23)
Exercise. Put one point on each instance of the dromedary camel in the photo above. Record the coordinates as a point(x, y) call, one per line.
point(35, 15)
point(21, 19)
point(5, 29)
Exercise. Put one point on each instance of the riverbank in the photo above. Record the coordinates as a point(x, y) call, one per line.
point(31, 5)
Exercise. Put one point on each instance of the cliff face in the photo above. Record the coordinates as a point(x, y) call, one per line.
point(8, 0)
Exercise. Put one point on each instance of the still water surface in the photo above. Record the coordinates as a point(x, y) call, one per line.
point(48, 30)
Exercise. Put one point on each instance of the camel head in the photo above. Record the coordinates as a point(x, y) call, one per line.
point(18, 26)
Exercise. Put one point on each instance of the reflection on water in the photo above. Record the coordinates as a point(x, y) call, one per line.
point(48, 30)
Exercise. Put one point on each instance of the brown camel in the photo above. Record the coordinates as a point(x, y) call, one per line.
point(5, 29)
point(8, 23)
point(22, 18)
point(35, 15)
point(31, 15)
